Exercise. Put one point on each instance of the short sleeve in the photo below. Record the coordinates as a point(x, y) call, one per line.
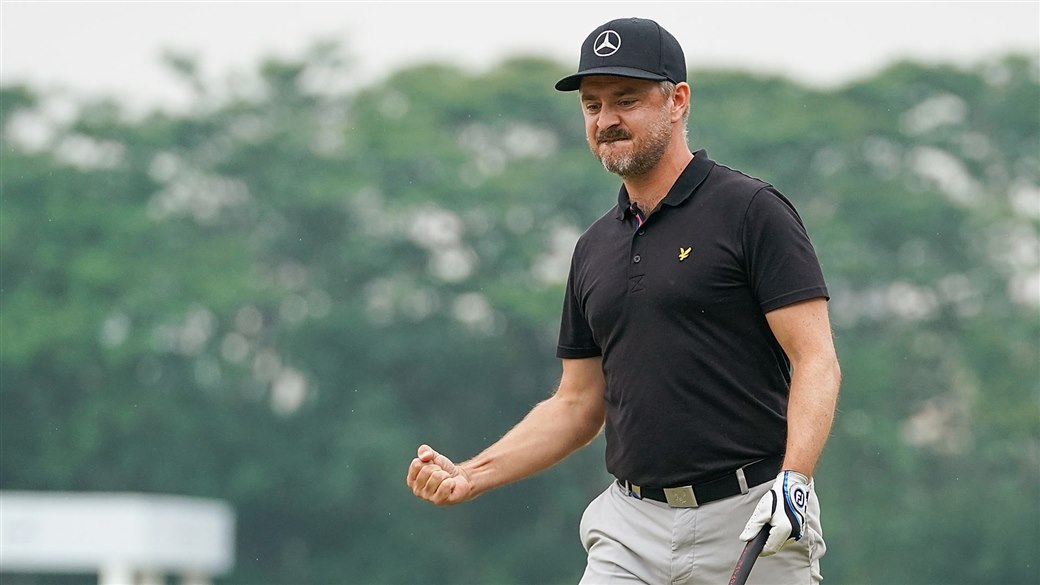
point(781, 262)
point(576, 338)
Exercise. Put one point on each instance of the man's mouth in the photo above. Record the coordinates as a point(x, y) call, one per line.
point(607, 138)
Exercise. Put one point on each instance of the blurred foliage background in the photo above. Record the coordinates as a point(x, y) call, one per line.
point(274, 296)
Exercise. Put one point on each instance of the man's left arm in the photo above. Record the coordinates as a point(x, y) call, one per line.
point(803, 330)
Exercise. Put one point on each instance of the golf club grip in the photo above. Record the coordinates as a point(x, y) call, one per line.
point(747, 558)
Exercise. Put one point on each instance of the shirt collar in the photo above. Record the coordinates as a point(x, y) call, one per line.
point(692, 176)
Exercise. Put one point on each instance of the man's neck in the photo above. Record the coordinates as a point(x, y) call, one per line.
point(649, 189)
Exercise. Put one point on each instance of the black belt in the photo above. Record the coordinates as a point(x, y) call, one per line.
point(731, 484)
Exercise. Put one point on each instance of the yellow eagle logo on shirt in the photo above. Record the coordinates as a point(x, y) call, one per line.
point(683, 253)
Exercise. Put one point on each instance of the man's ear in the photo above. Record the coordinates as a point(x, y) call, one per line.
point(680, 101)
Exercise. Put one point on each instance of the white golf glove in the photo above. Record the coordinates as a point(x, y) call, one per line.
point(782, 507)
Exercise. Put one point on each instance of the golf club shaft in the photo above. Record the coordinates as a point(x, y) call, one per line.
point(747, 558)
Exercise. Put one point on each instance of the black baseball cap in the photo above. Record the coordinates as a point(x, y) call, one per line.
point(629, 47)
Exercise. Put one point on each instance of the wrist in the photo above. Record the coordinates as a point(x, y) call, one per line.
point(475, 474)
point(795, 474)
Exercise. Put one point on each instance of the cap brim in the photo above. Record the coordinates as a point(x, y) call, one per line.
point(573, 82)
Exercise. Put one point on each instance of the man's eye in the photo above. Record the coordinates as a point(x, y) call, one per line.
point(592, 107)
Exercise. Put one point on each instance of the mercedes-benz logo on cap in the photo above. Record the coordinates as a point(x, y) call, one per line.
point(607, 43)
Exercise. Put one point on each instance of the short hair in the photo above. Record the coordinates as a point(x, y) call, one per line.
point(667, 88)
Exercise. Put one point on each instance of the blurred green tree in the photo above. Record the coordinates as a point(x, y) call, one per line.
point(275, 296)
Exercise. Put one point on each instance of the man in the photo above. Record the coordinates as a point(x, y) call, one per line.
point(695, 330)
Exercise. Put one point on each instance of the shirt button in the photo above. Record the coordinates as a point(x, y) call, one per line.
point(636, 259)
point(640, 232)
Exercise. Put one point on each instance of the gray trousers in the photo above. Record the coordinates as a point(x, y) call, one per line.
point(632, 541)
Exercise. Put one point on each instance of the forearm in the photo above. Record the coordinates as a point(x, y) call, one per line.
point(810, 412)
point(553, 429)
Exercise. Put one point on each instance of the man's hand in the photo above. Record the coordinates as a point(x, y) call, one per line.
point(434, 478)
point(782, 507)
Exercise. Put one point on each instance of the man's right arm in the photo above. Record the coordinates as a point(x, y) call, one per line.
point(554, 429)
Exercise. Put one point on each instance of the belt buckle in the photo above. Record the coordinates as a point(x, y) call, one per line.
point(681, 497)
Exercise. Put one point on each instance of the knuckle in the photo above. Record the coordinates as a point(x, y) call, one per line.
point(432, 484)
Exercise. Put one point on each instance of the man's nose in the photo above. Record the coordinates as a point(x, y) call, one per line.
point(607, 118)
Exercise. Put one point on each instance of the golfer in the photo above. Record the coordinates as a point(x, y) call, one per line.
point(694, 332)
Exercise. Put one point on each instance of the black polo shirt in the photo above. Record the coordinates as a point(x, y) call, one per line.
point(696, 383)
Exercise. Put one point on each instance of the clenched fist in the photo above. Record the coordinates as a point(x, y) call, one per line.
point(434, 478)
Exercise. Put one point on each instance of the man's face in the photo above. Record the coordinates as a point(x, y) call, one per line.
point(627, 123)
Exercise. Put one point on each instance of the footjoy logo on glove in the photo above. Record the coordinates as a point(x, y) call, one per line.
point(798, 494)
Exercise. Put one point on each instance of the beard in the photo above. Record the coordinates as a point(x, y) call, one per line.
point(645, 153)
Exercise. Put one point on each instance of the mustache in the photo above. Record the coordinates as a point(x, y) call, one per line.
point(611, 134)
